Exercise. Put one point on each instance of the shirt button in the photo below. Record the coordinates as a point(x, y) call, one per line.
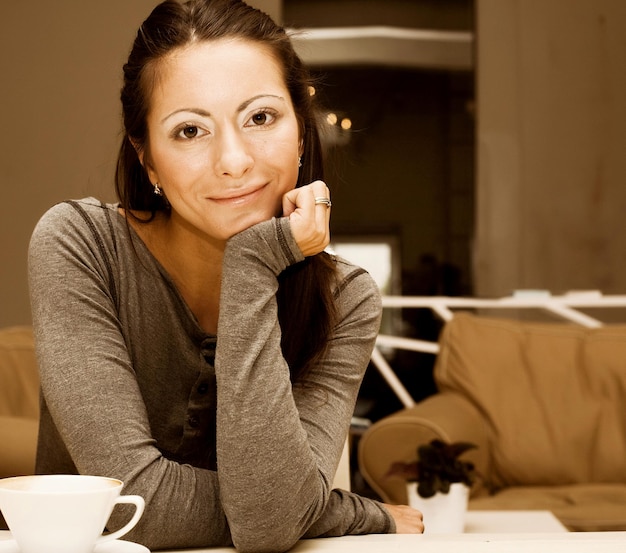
point(203, 388)
point(193, 421)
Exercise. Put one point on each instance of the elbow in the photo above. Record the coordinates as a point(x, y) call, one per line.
point(266, 542)
point(272, 534)
point(276, 526)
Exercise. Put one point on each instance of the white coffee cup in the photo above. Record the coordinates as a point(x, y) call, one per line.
point(62, 513)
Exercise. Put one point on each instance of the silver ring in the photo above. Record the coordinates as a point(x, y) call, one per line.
point(322, 200)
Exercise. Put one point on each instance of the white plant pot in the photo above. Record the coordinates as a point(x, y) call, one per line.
point(443, 513)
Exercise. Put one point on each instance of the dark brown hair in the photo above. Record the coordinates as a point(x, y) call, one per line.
point(306, 308)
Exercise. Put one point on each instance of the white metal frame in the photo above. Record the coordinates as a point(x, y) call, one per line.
point(565, 306)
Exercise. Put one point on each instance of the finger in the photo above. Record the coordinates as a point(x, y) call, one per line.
point(299, 198)
point(289, 204)
point(292, 200)
point(322, 194)
point(322, 203)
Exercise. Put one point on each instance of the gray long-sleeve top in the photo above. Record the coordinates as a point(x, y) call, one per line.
point(208, 429)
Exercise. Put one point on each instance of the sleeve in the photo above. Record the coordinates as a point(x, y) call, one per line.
point(279, 446)
point(92, 394)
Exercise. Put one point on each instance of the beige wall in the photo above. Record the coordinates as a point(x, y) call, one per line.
point(551, 182)
point(60, 64)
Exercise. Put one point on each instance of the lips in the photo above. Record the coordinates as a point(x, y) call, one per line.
point(240, 197)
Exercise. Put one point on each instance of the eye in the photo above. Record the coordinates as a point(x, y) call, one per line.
point(189, 131)
point(262, 118)
point(259, 118)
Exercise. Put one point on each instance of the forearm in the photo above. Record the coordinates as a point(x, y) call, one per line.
point(358, 515)
point(268, 475)
point(278, 446)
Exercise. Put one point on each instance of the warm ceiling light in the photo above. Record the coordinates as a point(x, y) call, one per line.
point(331, 118)
point(312, 91)
point(346, 124)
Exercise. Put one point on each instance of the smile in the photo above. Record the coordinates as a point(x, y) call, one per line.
point(248, 195)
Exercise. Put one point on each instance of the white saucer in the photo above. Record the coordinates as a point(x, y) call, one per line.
point(114, 546)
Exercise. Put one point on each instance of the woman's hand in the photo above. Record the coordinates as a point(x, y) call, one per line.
point(407, 519)
point(310, 222)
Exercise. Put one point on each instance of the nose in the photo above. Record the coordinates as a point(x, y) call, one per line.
point(234, 158)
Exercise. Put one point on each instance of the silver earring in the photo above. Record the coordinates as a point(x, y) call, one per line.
point(157, 189)
point(299, 161)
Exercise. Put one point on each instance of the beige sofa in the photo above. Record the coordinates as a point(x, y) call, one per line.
point(544, 402)
point(19, 401)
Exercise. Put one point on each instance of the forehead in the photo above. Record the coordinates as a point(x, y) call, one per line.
point(217, 70)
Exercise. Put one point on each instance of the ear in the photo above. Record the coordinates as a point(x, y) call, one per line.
point(138, 149)
point(145, 163)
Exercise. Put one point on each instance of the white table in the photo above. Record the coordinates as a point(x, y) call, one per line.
point(512, 522)
point(570, 542)
point(552, 542)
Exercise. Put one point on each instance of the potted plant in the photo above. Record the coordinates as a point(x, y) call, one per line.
point(438, 484)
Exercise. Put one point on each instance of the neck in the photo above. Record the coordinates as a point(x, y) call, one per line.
point(193, 261)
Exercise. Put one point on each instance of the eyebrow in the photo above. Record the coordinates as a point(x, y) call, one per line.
point(245, 104)
point(240, 108)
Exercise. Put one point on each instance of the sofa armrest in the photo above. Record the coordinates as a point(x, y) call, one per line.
point(446, 416)
point(19, 375)
point(18, 439)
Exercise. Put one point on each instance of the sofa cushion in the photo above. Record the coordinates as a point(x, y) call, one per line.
point(19, 376)
point(553, 395)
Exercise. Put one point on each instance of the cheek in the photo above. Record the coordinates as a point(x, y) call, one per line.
point(282, 154)
point(167, 165)
point(289, 174)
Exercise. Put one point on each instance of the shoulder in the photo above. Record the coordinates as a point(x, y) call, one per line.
point(75, 225)
point(74, 216)
point(350, 275)
point(355, 288)
point(70, 211)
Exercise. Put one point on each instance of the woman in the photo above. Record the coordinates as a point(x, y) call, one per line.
point(194, 340)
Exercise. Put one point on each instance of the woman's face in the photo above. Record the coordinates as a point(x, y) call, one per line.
point(223, 140)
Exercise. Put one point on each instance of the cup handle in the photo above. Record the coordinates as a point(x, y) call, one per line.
point(139, 504)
